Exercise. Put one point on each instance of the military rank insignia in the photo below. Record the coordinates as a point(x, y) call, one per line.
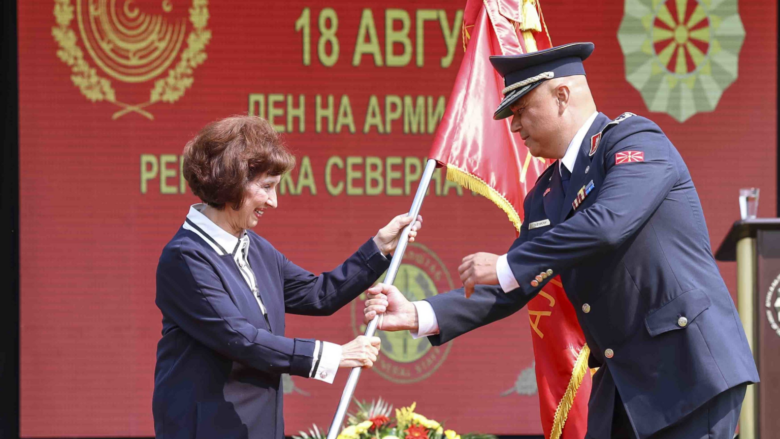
point(582, 194)
point(629, 157)
point(594, 144)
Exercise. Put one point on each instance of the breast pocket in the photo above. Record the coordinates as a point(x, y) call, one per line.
point(677, 314)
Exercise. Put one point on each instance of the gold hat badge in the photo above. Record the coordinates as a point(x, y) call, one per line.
point(130, 46)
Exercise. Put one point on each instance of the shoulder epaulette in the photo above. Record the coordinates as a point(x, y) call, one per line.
point(616, 121)
point(596, 138)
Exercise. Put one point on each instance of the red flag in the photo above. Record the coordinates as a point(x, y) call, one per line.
point(485, 156)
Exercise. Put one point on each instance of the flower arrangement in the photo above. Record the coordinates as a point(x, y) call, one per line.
point(374, 421)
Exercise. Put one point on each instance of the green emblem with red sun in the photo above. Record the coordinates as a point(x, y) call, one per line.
point(681, 54)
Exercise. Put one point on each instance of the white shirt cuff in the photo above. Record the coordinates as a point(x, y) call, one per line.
point(505, 276)
point(316, 355)
point(426, 320)
point(329, 362)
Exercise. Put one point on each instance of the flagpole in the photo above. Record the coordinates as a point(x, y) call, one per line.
point(354, 375)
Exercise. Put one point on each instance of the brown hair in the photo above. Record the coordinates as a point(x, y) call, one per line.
point(228, 154)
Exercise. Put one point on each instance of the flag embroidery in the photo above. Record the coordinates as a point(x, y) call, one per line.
point(629, 157)
point(594, 144)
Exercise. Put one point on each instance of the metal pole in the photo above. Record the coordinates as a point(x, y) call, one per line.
point(354, 375)
point(746, 292)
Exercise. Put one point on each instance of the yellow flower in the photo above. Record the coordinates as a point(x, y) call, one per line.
point(430, 424)
point(405, 416)
point(349, 433)
point(390, 437)
point(363, 427)
point(450, 434)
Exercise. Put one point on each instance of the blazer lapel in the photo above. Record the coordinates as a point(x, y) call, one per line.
point(579, 177)
point(263, 284)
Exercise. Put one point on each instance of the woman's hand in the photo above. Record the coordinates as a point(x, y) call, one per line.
point(360, 352)
point(387, 237)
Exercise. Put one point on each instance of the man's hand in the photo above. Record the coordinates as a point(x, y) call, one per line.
point(387, 237)
point(478, 269)
point(395, 312)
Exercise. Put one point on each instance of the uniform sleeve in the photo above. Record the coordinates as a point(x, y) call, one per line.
point(640, 173)
point(305, 293)
point(457, 315)
point(191, 294)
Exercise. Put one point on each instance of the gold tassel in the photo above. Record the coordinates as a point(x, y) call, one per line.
point(577, 375)
point(530, 41)
point(531, 20)
point(476, 184)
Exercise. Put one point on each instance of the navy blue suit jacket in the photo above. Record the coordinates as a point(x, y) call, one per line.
point(219, 364)
point(636, 251)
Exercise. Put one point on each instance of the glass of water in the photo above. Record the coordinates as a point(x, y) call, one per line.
point(748, 202)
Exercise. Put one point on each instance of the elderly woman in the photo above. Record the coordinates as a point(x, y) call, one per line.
point(224, 291)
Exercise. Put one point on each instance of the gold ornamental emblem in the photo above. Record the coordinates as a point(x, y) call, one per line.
point(404, 359)
point(131, 44)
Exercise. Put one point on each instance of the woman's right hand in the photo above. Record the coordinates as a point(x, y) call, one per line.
point(360, 352)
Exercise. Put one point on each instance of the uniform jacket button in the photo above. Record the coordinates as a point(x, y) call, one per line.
point(543, 274)
point(534, 283)
point(549, 272)
point(539, 278)
point(682, 321)
point(609, 353)
point(585, 308)
point(323, 374)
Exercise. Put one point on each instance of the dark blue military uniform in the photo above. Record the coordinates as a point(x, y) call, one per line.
point(635, 260)
point(627, 235)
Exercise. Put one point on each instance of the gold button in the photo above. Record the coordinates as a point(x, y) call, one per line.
point(609, 353)
point(585, 308)
point(549, 272)
point(682, 321)
point(534, 283)
point(543, 274)
point(539, 278)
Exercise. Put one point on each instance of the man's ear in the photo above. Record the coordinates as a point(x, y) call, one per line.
point(563, 95)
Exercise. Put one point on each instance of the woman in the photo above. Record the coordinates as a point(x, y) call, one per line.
point(224, 291)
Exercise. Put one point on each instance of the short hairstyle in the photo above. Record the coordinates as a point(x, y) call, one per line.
point(228, 154)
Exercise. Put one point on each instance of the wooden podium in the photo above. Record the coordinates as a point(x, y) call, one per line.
point(755, 245)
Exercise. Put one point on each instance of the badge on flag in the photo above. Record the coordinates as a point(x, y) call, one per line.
point(594, 144)
point(629, 157)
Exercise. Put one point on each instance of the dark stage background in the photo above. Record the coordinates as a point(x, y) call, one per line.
point(91, 189)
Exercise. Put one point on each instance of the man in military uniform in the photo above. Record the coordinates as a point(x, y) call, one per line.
point(618, 218)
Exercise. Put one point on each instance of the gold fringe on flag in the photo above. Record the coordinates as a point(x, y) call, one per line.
point(476, 184)
point(577, 375)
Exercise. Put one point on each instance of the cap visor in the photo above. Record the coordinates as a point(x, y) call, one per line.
point(503, 111)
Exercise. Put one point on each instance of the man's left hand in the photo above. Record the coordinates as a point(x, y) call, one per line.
point(478, 269)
